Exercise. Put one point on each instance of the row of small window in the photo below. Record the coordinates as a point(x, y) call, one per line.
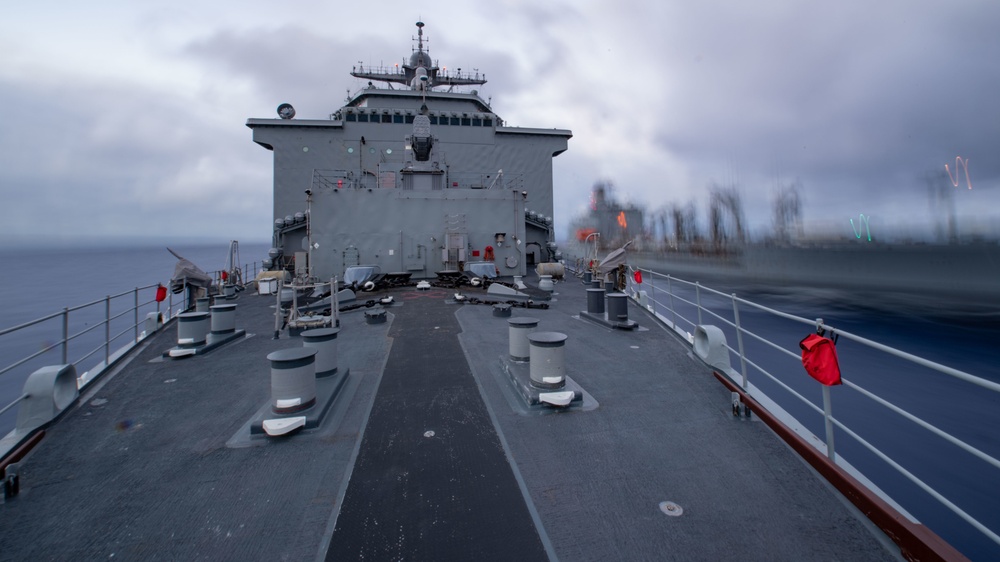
point(435, 120)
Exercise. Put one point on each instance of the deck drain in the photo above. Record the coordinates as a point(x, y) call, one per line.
point(428, 434)
point(671, 509)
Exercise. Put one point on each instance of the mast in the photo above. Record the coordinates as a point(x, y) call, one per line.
point(419, 73)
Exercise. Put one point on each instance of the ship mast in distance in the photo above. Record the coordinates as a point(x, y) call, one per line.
point(420, 73)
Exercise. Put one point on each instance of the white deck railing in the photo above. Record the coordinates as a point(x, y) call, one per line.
point(669, 298)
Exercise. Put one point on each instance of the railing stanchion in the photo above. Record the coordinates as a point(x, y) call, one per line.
point(739, 340)
point(107, 330)
point(697, 299)
point(335, 299)
point(827, 413)
point(652, 290)
point(65, 336)
point(135, 310)
point(670, 293)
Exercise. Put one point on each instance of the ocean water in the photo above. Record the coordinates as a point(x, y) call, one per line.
point(44, 281)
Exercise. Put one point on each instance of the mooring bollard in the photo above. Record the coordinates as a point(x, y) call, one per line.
point(519, 328)
point(618, 307)
point(293, 379)
point(223, 318)
point(548, 365)
point(324, 341)
point(192, 328)
point(595, 301)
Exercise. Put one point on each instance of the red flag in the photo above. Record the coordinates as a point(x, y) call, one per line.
point(819, 357)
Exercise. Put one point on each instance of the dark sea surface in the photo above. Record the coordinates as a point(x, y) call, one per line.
point(51, 279)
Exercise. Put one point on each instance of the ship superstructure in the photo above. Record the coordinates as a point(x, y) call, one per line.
point(418, 179)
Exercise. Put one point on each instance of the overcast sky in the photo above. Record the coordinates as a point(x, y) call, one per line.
point(127, 119)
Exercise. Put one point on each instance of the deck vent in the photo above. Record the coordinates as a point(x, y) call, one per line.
point(48, 391)
point(710, 346)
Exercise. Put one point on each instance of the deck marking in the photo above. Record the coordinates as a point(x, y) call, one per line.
point(535, 517)
point(450, 497)
point(349, 471)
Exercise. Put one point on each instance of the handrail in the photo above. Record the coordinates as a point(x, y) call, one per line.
point(748, 364)
point(64, 338)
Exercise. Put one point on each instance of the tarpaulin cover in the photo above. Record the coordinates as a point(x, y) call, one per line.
point(187, 274)
point(612, 260)
point(819, 357)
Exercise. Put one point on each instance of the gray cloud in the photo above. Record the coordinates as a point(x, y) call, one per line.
point(858, 105)
point(856, 101)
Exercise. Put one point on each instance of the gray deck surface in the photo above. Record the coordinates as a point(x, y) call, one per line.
point(141, 468)
point(431, 481)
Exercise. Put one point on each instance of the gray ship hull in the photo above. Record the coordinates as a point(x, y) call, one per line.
point(941, 277)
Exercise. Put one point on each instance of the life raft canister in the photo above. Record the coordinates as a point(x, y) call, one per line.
point(819, 357)
point(161, 293)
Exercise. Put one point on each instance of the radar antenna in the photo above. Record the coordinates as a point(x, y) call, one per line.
point(420, 72)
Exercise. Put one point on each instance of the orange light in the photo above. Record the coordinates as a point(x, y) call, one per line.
point(621, 220)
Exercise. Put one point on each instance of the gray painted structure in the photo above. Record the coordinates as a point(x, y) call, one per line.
point(415, 180)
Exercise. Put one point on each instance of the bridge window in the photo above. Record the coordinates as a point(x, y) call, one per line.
point(352, 117)
point(487, 122)
point(434, 120)
point(386, 118)
point(455, 121)
point(477, 122)
point(363, 118)
point(409, 119)
point(466, 121)
point(397, 118)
